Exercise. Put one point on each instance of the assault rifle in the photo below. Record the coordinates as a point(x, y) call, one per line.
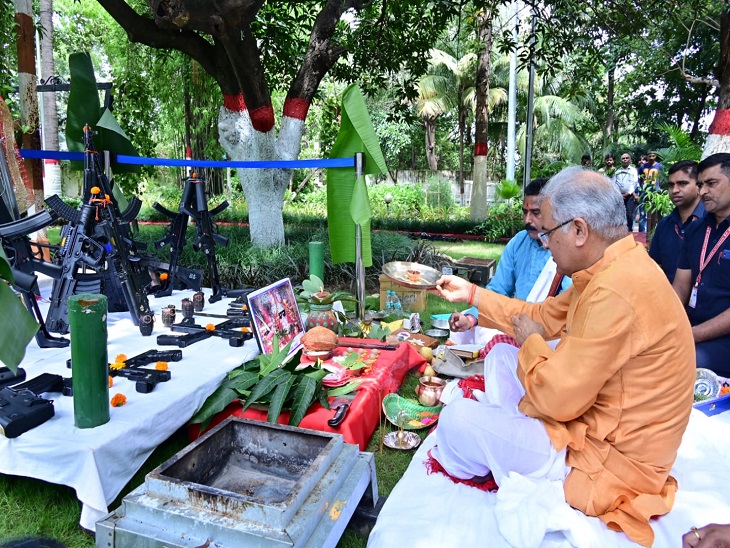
point(24, 265)
point(98, 237)
point(194, 205)
point(178, 277)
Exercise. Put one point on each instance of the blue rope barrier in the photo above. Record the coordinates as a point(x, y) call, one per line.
point(139, 160)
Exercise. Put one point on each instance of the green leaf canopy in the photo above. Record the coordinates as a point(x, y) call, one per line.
point(347, 199)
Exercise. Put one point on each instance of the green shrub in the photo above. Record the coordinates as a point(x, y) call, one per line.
point(504, 220)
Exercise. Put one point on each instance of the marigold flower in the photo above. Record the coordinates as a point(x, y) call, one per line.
point(210, 327)
point(121, 358)
point(161, 366)
point(118, 400)
point(111, 381)
point(95, 190)
point(164, 276)
point(116, 366)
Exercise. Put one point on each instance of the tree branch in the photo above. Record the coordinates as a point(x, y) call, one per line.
point(144, 31)
point(322, 53)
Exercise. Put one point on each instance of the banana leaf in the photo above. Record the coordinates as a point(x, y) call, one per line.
point(18, 326)
point(84, 108)
point(279, 397)
point(347, 200)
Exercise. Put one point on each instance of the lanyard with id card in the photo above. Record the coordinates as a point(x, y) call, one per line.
point(704, 262)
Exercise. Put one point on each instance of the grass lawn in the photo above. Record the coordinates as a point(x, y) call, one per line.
point(32, 507)
point(469, 248)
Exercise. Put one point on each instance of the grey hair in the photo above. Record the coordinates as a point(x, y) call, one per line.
point(577, 192)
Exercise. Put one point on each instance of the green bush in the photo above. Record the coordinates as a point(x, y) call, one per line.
point(504, 220)
point(242, 265)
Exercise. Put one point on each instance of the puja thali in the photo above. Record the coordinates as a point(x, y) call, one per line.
point(707, 385)
point(412, 275)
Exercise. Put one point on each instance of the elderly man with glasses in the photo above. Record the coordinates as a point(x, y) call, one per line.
point(604, 412)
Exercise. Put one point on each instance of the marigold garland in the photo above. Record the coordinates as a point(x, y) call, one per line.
point(118, 400)
point(161, 366)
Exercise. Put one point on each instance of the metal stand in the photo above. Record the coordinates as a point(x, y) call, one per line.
point(359, 269)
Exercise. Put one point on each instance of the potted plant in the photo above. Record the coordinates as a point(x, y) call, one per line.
point(318, 302)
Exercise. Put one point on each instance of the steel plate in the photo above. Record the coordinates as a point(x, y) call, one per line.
point(397, 270)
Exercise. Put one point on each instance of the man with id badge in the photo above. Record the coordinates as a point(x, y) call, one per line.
point(702, 281)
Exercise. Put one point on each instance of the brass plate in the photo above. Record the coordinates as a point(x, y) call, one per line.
point(411, 440)
point(397, 270)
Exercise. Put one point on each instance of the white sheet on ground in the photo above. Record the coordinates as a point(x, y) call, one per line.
point(430, 510)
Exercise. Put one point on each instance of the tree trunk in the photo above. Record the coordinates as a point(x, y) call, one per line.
point(52, 171)
point(431, 158)
point(607, 134)
point(478, 209)
point(719, 138)
point(28, 97)
point(462, 127)
point(263, 188)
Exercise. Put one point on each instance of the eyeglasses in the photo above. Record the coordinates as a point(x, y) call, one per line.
point(545, 235)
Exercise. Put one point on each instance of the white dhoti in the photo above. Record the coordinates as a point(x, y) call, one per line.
point(474, 438)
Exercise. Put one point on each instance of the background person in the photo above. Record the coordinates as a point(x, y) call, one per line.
point(702, 279)
point(626, 179)
point(669, 234)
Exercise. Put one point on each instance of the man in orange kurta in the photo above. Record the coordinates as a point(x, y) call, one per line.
point(615, 395)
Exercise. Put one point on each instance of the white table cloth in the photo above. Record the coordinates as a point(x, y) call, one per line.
point(98, 462)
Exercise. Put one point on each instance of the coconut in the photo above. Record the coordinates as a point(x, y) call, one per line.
point(319, 339)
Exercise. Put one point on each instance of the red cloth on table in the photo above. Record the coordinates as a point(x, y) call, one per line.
point(385, 376)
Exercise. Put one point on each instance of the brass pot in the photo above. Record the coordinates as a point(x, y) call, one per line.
point(429, 390)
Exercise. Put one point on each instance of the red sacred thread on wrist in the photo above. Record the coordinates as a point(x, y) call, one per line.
point(472, 294)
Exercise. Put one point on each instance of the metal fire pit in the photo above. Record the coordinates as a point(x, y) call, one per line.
point(246, 483)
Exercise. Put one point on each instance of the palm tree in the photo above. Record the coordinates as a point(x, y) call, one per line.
point(554, 117)
point(449, 84)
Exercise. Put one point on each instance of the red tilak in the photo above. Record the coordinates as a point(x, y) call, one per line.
point(721, 124)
